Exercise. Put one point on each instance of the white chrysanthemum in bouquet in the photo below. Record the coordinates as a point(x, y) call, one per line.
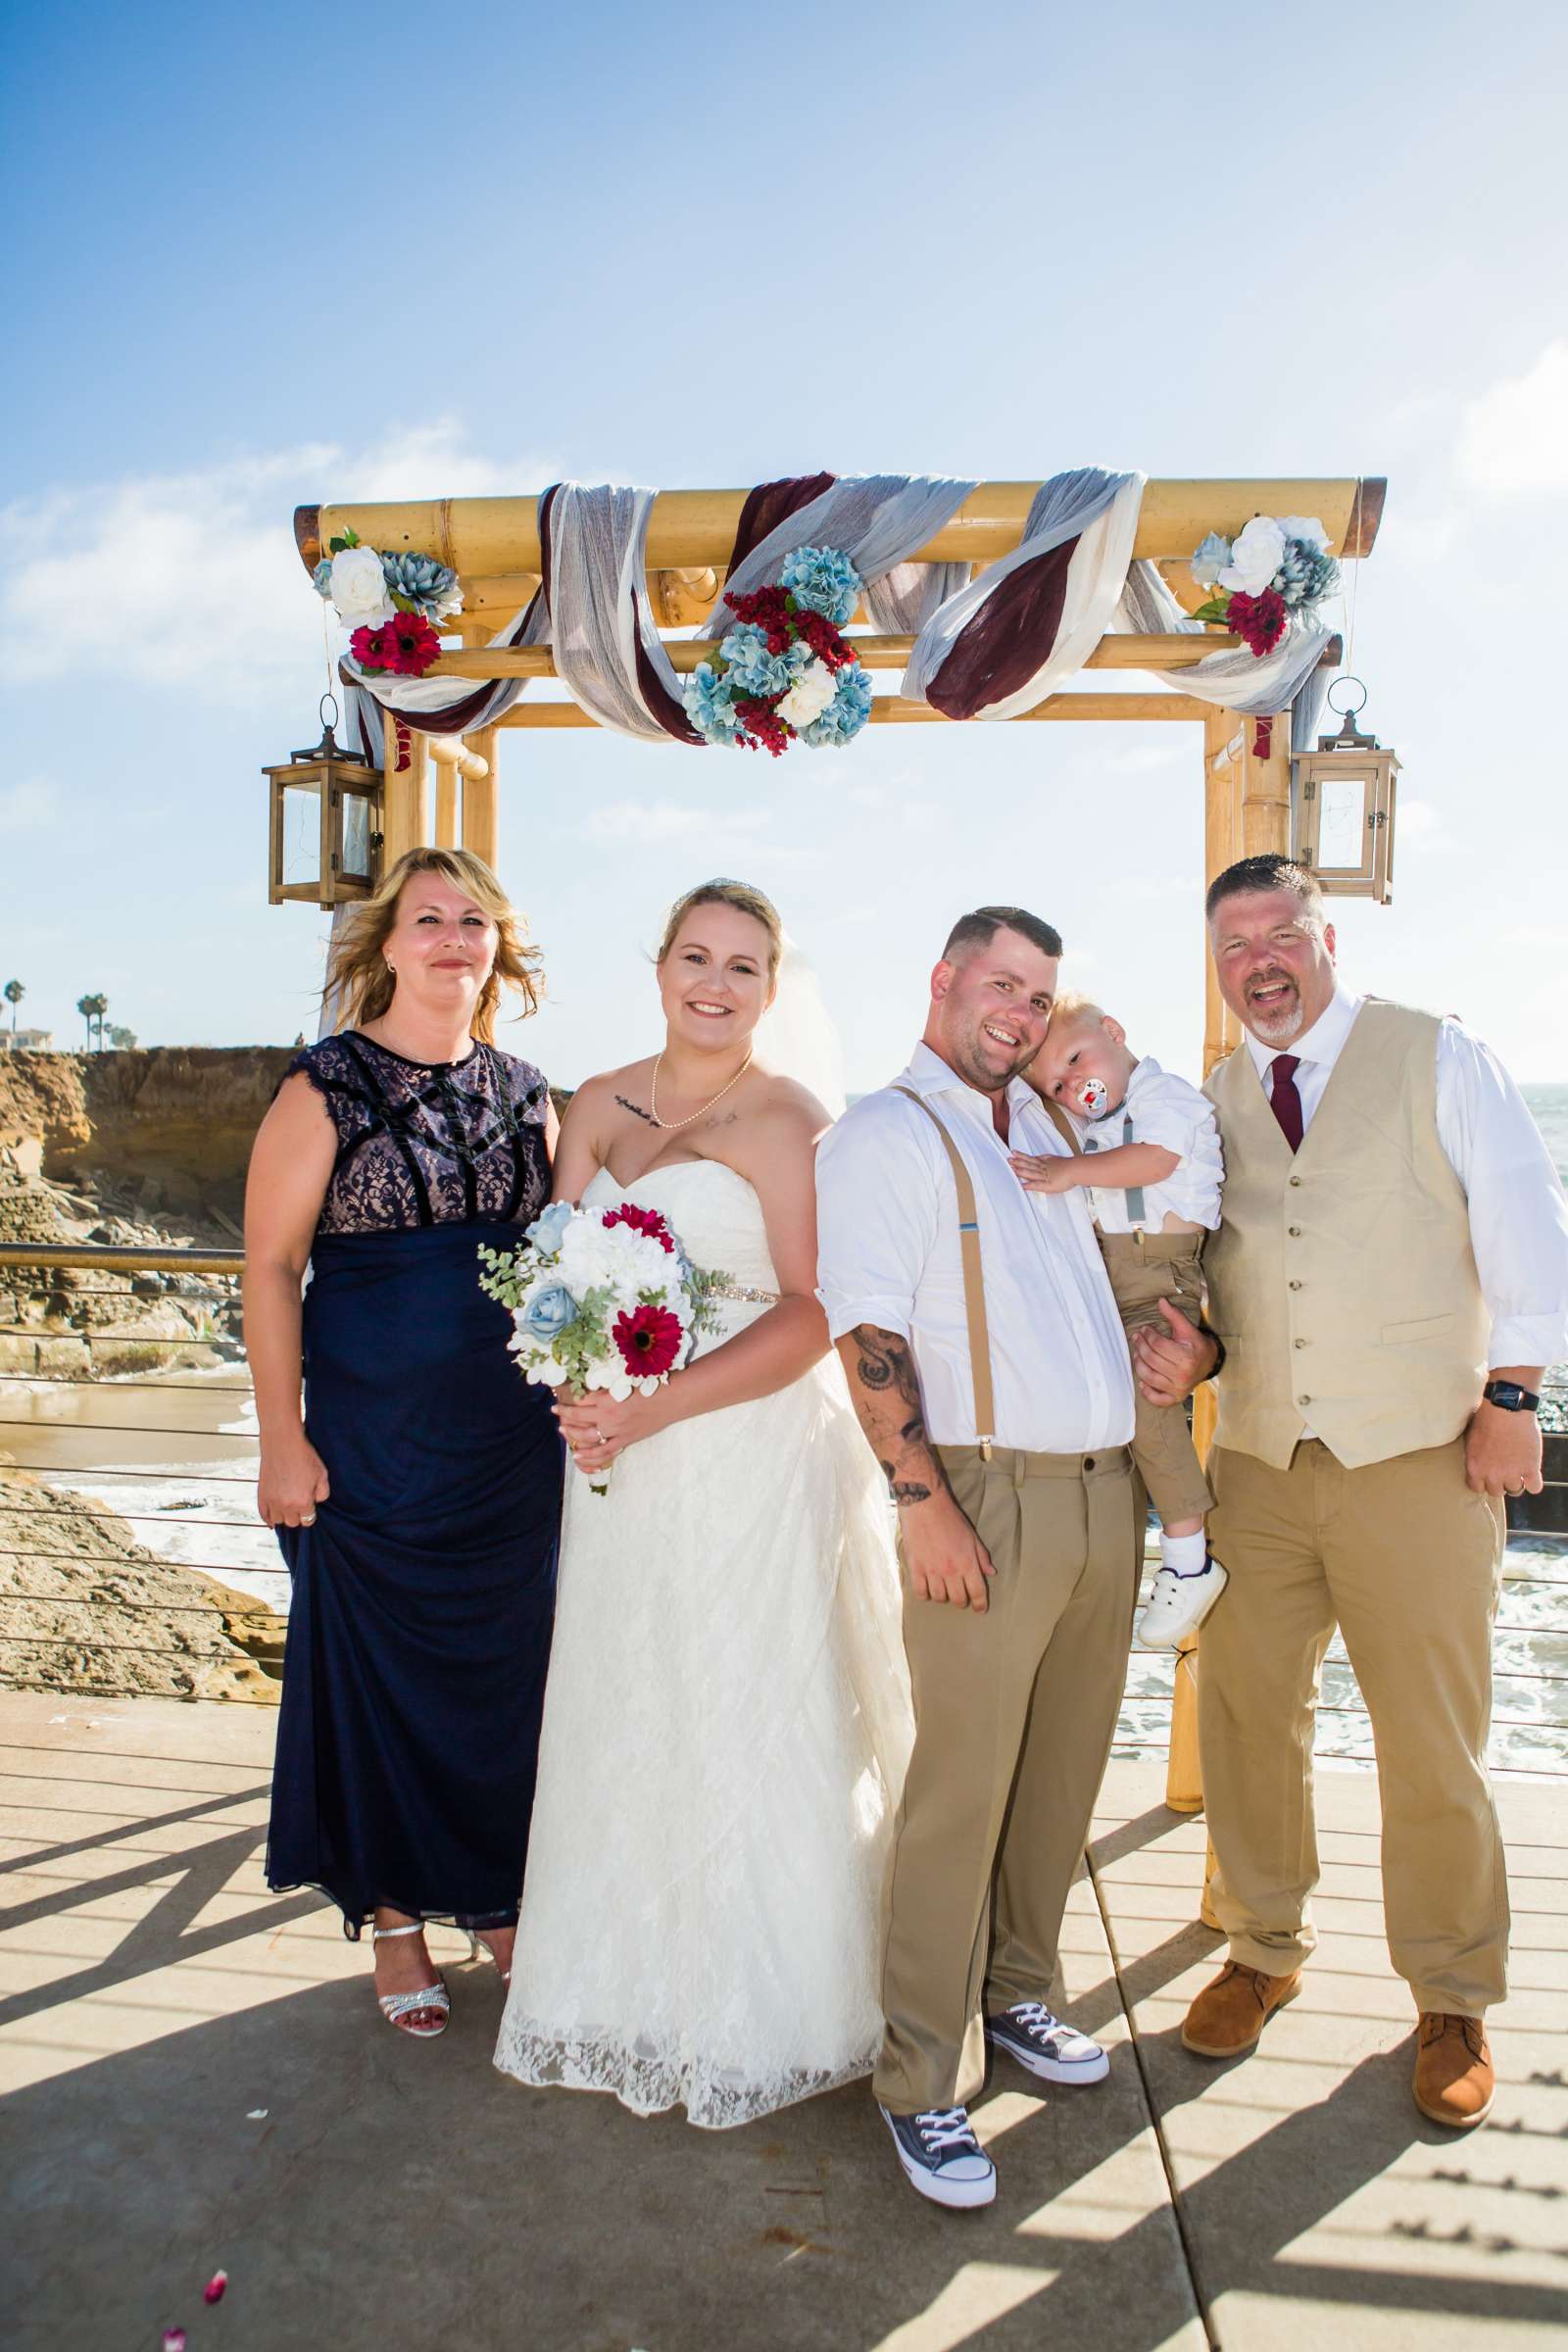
point(601, 1300)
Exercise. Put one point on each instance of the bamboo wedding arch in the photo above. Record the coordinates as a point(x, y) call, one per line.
point(493, 545)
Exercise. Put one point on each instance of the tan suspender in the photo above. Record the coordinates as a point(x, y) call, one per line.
point(1063, 1125)
point(974, 1288)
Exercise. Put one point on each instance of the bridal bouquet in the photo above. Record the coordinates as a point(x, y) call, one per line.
point(601, 1299)
point(1276, 570)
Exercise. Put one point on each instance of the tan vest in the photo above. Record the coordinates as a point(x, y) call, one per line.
point(1342, 1279)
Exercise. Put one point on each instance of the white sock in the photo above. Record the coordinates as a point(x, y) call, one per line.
point(1184, 1555)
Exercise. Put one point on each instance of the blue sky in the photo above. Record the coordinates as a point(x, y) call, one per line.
point(282, 255)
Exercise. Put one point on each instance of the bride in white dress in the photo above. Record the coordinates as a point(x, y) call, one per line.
point(727, 1716)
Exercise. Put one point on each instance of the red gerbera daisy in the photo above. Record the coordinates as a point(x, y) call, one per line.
point(372, 648)
point(1258, 620)
point(649, 1339)
point(643, 1220)
point(412, 645)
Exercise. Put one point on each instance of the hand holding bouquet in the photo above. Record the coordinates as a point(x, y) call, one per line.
point(601, 1300)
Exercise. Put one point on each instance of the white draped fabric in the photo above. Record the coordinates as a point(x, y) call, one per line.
point(986, 648)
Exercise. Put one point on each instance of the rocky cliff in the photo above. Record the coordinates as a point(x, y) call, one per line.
point(169, 1128)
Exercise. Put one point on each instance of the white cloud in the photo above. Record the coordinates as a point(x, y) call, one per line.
point(1514, 437)
point(645, 821)
point(30, 806)
point(1421, 825)
point(194, 580)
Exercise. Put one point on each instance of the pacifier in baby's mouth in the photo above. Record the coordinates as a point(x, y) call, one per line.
point(1093, 1096)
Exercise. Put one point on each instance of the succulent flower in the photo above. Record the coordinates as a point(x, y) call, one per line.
point(419, 584)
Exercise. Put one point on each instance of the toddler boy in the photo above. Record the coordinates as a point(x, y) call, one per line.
point(1146, 1149)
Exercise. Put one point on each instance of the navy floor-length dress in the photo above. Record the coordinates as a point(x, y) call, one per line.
point(425, 1593)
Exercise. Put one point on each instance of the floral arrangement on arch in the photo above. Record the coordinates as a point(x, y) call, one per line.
point(785, 670)
point(1276, 570)
point(390, 604)
point(601, 1299)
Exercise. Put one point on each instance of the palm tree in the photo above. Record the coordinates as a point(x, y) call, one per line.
point(13, 992)
point(100, 1005)
point(85, 1005)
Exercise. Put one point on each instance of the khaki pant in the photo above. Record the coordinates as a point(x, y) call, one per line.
point(1144, 1269)
point(1408, 1562)
point(1014, 1712)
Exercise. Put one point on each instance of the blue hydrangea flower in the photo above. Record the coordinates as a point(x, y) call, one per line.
point(548, 1314)
point(823, 580)
point(752, 669)
point(710, 703)
point(846, 715)
point(424, 584)
point(1306, 574)
point(321, 576)
point(1210, 559)
point(548, 1227)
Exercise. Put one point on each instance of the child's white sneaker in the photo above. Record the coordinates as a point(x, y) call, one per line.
point(1178, 1605)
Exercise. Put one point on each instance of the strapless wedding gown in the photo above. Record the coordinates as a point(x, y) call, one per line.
point(725, 1731)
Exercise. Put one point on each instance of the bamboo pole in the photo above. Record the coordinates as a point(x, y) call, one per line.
point(891, 710)
point(1166, 651)
point(481, 807)
point(445, 800)
point(404, 823)
point(1265, 792)
point(695, 529)
point(1223, 739)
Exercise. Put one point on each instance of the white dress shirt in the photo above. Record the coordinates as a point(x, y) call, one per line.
point(888, 1253)
point(1518, 1214)
point(1165, 1110)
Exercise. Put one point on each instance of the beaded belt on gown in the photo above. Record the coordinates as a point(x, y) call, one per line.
point(743, 1291)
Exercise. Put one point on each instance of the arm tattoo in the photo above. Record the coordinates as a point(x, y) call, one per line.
point(636, 1110)
point(886, 1394)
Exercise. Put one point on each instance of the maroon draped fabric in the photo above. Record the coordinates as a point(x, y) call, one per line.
point(1008, 639)
point(773, 503)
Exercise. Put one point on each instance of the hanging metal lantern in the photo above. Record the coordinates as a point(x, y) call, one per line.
point(1342, 808)
point(325, 830)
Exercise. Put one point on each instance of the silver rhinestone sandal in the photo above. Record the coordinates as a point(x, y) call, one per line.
point(400, 2009)
point(476, 1945)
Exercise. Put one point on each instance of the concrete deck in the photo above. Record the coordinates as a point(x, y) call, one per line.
point(193, 2077)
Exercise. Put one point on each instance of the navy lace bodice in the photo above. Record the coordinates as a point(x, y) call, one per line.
point(458, 1143)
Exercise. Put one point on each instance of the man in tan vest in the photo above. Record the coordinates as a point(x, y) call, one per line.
point(1389, 1281)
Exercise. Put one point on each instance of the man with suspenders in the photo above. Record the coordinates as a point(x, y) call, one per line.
point(989, 1369)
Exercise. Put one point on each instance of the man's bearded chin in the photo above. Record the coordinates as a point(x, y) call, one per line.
point(1277, 1026)
point(982, 1073)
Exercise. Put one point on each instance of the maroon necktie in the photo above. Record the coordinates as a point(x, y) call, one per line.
point(1284, 1100)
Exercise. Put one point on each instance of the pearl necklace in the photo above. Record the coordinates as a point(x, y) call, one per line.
point(671, 1125)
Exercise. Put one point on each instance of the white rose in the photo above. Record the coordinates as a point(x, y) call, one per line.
point(359, 589)
point(1307, 527)
point(810, 696)
point(1255, 556)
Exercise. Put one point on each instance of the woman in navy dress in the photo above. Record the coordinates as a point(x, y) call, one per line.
point(416, 1483)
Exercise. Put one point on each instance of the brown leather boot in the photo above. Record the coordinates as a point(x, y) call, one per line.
point(1454, 2083)
point(1229, 2015)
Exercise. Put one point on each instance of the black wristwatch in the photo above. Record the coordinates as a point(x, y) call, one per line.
point(1510, 1397)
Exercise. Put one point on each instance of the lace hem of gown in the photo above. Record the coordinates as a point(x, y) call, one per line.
point(650, 2080)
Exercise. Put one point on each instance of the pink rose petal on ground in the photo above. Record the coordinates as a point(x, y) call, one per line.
point(213, 2291)
point(174, 2340)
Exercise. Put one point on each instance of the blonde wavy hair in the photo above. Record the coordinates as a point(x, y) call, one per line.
point(722, 892)
point(357, 981)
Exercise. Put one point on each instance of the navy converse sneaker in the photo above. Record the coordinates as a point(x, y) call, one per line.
point(941, 2157)
point(1055, 2052)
